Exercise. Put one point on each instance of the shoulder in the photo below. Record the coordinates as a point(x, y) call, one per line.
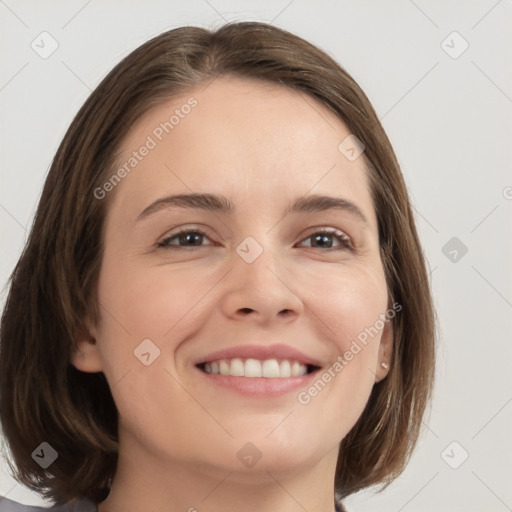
point(81, 505)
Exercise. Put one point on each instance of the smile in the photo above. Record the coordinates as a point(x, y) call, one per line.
point(258, 370)
point(268, 368)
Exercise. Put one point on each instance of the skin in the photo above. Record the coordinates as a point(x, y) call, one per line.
point(263, 146)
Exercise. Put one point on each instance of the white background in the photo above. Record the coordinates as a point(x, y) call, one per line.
point(449, 120)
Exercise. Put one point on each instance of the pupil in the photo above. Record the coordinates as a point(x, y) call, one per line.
point(323, 237)
point(190, 237)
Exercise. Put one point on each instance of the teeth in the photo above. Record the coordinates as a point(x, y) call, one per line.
point(237, 368)
point(223, 368)
point(298, 369)
point(286, 369)
point(253, 368)
point(270, 368)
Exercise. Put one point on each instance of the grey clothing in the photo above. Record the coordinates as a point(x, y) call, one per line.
point(82, 505)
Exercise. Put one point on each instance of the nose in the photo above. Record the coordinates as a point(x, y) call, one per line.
point(262, 291)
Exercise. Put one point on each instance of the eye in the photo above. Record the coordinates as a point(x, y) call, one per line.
point(322, 240)
point(192, 238)
point(188, 237)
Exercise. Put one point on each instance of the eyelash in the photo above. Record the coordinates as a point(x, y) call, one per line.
point(341, 237)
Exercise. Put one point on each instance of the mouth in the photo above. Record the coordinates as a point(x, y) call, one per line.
point(254, 368)
point(258, 370)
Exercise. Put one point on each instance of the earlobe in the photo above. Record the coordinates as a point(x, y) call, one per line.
point(86, 355)
point(385, 352)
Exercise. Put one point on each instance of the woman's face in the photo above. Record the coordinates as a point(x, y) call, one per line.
point(256, 289)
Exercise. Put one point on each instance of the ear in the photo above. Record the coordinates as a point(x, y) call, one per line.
point(385, 352)
point(86, 355)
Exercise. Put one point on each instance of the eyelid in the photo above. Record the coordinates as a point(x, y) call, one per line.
point(347, 240)
point(344, 239)
point(184, 229)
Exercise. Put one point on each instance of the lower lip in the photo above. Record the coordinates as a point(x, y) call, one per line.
point(260, 386)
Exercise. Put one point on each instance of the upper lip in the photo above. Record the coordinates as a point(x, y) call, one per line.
point(261, 352)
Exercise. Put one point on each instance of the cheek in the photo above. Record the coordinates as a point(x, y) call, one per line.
point(137, 305)
point(350, 304)
point(156, 306)
point(148, 302)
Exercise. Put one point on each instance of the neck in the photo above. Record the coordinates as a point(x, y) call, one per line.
point(148, 482)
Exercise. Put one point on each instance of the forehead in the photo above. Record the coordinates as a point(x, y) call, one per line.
point(257, 142)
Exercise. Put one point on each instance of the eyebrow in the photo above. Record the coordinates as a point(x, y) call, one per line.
point(221, 204)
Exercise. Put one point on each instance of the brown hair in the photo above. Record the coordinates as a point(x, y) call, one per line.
point(53, 286)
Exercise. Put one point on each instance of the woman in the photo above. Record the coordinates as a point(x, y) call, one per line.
point(223, 302)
